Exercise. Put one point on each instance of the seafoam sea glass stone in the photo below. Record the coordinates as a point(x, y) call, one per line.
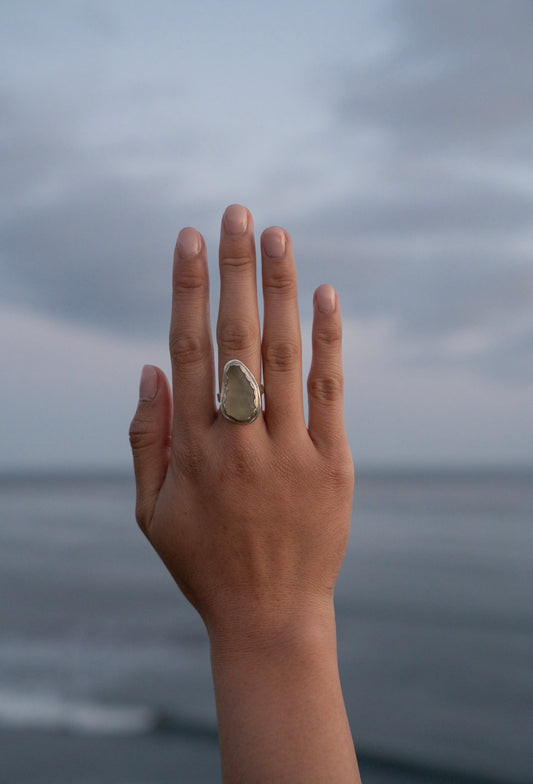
point(240, 395)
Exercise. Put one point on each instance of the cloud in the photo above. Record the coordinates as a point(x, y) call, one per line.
point(435, 232)
point(88, 222)
point(407, 184)
point(458, 78)
point(69, 393)
point(72, 392)
point(94, 258)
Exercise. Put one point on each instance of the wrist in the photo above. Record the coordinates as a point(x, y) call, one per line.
point(273, 631)
point(279, 700)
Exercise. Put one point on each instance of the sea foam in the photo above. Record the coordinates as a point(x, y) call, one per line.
point(53, 712)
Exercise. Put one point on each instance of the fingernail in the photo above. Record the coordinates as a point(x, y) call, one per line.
point(189, 243)
point(274, 243)
point(235, 219)
point(325, 298)
point(148, 383)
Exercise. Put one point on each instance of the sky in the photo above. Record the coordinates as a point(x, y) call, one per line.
point(392, 139)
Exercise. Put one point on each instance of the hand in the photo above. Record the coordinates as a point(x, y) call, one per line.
point(251, 520)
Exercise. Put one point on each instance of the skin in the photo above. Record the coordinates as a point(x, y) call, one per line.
point(252, 520)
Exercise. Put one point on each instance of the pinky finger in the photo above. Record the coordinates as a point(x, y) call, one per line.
point(325, 382)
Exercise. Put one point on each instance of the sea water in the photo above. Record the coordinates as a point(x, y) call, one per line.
point(104, 667)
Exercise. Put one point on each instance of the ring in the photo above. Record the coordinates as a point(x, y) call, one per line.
point(240, 394)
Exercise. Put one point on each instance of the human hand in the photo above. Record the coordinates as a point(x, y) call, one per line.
point(251, 520)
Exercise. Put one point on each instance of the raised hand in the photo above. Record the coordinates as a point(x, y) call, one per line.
point(252, 519)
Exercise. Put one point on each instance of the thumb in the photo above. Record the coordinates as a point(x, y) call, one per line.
point(150, 438)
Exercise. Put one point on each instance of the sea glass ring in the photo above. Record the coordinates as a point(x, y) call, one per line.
point(240, 394)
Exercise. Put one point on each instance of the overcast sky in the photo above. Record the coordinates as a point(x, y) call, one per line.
point(394, 140)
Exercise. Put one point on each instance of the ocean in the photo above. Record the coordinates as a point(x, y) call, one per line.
point(104, 667)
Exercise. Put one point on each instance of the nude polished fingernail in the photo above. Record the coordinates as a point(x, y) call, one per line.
point(189, 243)
point(325, 298)
point(148, 383)
point(274, 243)
point(235, 219)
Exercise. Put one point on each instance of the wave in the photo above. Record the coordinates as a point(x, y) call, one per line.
point(416, 771)
point(52, 712)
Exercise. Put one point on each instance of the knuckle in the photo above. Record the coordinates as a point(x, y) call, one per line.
point(342, 473)
point(187, 281)
point(186, 348)
point(236, 335)
point(141, 517)
point(140, 434)
point(245, 462)
point(340, 478)
point(280, 281)
point(328, 335)
point(190, 460)
point(144, 435)
point(282, 355)
point(236, 261)
point(325, 388)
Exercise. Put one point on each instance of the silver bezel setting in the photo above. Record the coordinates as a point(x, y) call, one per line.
point(255, 387)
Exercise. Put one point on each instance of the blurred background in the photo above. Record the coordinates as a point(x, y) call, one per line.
point(394, 141)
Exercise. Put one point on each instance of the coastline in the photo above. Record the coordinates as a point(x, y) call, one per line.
point(432, 609)
point(40, 757)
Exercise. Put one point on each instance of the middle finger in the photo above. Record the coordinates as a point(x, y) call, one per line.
point(238, 328)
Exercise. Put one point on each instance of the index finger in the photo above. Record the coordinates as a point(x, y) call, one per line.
point(191, 348)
